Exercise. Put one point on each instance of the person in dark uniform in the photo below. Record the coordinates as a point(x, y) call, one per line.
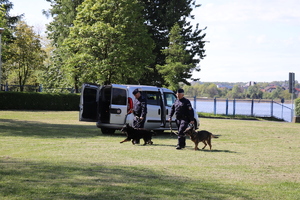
point(184, 112)
point(139, 110)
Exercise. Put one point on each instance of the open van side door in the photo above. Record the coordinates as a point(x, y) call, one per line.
point(154, 108)
point(118, 106)
point(88, 102)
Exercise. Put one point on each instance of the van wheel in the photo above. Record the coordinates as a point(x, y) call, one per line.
point(107, 131)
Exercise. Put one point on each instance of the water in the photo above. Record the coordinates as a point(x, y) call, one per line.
point(260, 109)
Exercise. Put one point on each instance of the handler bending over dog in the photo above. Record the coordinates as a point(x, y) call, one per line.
point(139, 111)
point(184, 115)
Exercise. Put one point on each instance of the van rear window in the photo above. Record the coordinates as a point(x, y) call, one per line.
point(119, 96)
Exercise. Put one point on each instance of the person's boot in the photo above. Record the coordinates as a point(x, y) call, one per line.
point(178, 144)
point(183, 142)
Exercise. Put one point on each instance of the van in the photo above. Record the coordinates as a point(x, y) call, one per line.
point(110, 106)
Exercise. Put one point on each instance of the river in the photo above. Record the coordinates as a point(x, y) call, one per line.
point(260, 109)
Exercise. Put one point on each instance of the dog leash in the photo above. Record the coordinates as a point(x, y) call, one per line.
point(170, 124)
point(138, 122)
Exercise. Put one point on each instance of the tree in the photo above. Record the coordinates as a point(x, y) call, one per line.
point(7, 22)
point(278, 93)
point(212, 90)
point(254, 92)
point(176, 68)
point(160, 16)
point(235, 93)
point(108, 43)
point(63, 13)
point(25, 55)
point(53, 76)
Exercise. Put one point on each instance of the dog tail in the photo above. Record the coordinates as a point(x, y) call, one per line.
point(213, 136)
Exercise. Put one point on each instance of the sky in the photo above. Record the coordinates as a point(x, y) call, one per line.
point(257, 40)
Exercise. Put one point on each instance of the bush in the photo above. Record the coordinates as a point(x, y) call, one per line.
point(38, 101)
point(297, 107)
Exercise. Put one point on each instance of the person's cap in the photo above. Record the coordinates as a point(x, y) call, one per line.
point(135, 91)
point(180, 91)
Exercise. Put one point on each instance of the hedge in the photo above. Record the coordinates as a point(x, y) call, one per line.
point(38, 101)
point(297, 107)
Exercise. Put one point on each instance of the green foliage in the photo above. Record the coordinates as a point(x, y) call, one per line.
point(297, 107)
point(109, 42)
point(38, 101)
point(64, 13)
point(176, 68)
point(161, 16)
point(238, 91)
point(24, 56)
point(254, 92)
point(10, 21)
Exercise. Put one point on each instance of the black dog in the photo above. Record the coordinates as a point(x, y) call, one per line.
point(136, 134)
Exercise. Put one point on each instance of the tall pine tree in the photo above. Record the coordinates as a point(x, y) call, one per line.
point(160, 16)
point(178, 67)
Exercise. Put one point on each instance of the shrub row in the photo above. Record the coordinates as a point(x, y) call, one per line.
point(297, 107)
point(38, 101)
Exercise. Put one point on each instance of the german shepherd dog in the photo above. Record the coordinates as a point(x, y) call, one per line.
point(200, 136)
point(134, 134)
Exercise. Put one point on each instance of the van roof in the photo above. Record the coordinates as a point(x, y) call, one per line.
point(132, 87)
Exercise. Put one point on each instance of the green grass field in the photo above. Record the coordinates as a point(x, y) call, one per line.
point(51, 155)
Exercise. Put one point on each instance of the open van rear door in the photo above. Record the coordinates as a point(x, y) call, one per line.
point(88, 103)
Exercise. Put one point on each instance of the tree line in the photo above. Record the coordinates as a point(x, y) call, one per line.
point(104, 41)
point(240, 90)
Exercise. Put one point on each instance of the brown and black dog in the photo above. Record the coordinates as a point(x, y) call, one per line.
point(134, 134)
point(200, 136)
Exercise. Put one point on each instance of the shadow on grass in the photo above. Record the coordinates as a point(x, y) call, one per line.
point(39, 180)
point(218, 150)
point(11, 127)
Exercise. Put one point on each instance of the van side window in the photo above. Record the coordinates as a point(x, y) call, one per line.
point(169, 99)
point(119, 96)
point(153, 98)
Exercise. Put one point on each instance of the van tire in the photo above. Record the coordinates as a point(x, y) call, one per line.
point(107, 131)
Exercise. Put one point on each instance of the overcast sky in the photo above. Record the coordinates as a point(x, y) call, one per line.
point(257, 40)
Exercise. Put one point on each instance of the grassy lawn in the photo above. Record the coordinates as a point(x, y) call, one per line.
point(51, 155)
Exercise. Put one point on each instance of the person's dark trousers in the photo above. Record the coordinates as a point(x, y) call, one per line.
point(181, 142)
point(182, 125)
point(138, 124)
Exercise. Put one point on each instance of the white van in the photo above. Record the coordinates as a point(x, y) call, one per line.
point(110, 106)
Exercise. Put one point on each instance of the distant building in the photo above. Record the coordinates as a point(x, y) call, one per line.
point(271, 88)
point(251, 83)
